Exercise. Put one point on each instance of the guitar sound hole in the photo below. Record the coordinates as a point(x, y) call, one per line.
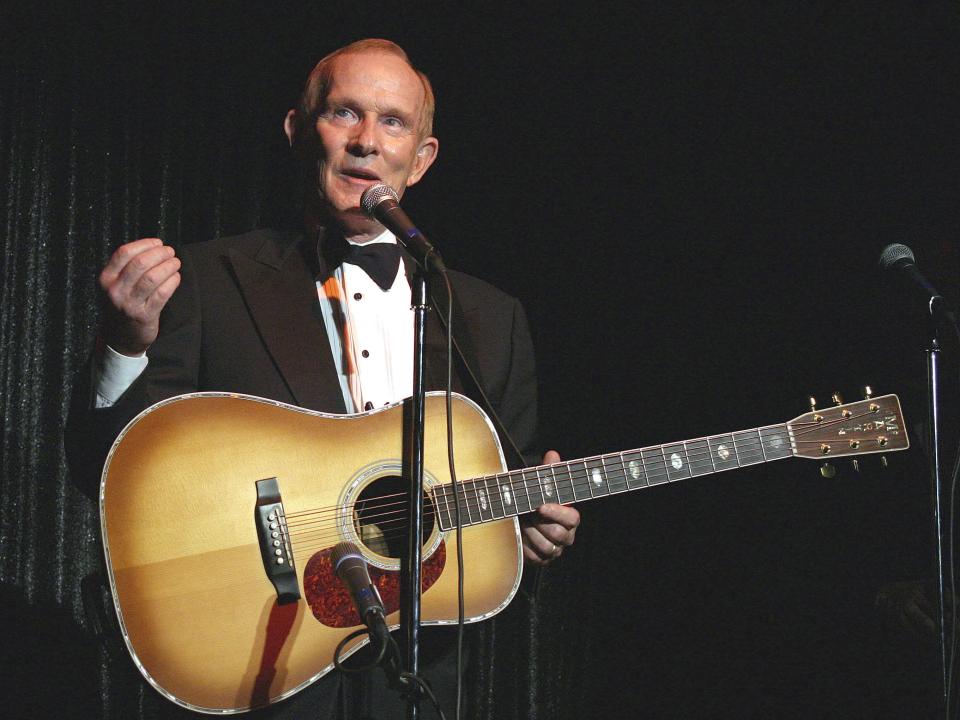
point(380, 516)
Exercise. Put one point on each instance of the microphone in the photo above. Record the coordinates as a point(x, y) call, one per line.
point(898, 259)
point(351, 568)
point(382, 204)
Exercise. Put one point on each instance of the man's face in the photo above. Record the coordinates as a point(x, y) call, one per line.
point(368, 131)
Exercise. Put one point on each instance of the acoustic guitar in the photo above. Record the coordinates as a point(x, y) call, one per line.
point(219, 513)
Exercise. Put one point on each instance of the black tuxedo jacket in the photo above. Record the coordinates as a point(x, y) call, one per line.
point(246, 319)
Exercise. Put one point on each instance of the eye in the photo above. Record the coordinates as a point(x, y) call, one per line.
point(342, 115)
point(394, 124)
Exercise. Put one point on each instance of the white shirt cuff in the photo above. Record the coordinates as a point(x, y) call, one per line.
point(115, 373)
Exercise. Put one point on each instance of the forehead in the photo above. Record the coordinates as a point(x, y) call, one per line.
point(381, 76)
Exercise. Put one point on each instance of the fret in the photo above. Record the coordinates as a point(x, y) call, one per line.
point(464, 505)
point(636, 474)
point(534, 487)
point(483, 503)
point(676, 460)
point(723, 452)
point(548, 484)
point(496, 501)
point(564, 483)
point(520, 498)
point(776, 442)
point(747, 444)
point(655, 464)
point(442, 503)
point(526, 490)
point(596, 477)
point(700, 460)
point(505, 490)
point(581, 490)
point(466, 514)
point(616, 473)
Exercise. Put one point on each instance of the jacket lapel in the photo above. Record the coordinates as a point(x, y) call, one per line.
point(279, 286)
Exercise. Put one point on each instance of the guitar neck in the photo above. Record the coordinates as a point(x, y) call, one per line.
point(508, 494)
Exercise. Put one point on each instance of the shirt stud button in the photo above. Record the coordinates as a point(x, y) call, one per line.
point(366, 353)
point(358, 296)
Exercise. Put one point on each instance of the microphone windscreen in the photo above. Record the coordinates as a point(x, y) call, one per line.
point(376, 194)
point(893, 254)
point(341, 552)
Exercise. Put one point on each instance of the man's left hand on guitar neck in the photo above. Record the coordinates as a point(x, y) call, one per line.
point(550, 529)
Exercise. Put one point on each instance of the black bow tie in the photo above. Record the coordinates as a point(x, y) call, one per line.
point(379, 260)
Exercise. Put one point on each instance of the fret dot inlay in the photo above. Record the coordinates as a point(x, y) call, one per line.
point(507, 497)
point(676, 461)
point(597, 477)
point(723, 452)
point(548, 488)
point(634, 467)
point(483, 498)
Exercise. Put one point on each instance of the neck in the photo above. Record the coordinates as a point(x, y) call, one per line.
point(354, 227)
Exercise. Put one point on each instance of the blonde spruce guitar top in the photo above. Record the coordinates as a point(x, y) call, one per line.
point(219, 513)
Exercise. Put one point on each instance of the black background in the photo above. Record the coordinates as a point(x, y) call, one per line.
point(690, 200)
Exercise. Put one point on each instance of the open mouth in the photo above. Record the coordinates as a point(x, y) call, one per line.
point(361, 174)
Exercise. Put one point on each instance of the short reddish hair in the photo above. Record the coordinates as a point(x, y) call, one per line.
point(318, 82)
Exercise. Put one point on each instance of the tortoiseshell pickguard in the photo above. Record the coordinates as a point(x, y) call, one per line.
point(328, 597)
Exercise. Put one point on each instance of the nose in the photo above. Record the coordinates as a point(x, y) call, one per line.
point(364, 140)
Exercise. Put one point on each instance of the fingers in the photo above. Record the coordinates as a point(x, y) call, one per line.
point(124, 254)
point(551, 457)
point(139, 279)
point(548, 531)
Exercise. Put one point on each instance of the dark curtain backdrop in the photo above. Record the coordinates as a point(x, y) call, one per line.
point(689, 198)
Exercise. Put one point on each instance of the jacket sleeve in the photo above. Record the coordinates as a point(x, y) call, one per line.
point(173, 369)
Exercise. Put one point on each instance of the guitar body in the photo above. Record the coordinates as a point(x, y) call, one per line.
point(198, 612)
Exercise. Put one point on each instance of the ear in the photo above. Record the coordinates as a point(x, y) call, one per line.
point(290, 126)
point(426, 155)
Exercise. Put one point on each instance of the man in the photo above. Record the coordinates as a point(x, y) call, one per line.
point(292, 316)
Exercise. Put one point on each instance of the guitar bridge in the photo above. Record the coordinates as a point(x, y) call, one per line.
point(274, 540)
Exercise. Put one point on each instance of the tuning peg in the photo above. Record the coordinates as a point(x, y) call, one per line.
point(813, 402)
point(828, 470)
point(883, 462)
point(836, 397)
point(867, 392)
point(856, 465)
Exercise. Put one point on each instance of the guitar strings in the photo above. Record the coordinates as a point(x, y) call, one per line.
point(657, 465)
point(738, 446)
point(578, 480)
point(658, 473)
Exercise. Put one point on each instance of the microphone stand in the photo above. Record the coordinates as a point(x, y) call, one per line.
point(933, 456)
point(410, 576)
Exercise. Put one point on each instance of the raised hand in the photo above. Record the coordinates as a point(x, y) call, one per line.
point(139, 279)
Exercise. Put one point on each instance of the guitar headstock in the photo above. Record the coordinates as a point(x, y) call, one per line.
point(874, 425)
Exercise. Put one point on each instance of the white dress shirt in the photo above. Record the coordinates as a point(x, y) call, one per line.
point(370, 331)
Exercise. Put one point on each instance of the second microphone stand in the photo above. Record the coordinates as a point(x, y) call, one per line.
point(414, 451)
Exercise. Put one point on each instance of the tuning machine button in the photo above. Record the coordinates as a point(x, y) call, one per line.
point(867, 392)
point(817, 417)
point(836, 397)
point(855, 463)
point(827, 470)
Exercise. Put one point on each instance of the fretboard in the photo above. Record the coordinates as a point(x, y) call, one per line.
point(495, 497)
